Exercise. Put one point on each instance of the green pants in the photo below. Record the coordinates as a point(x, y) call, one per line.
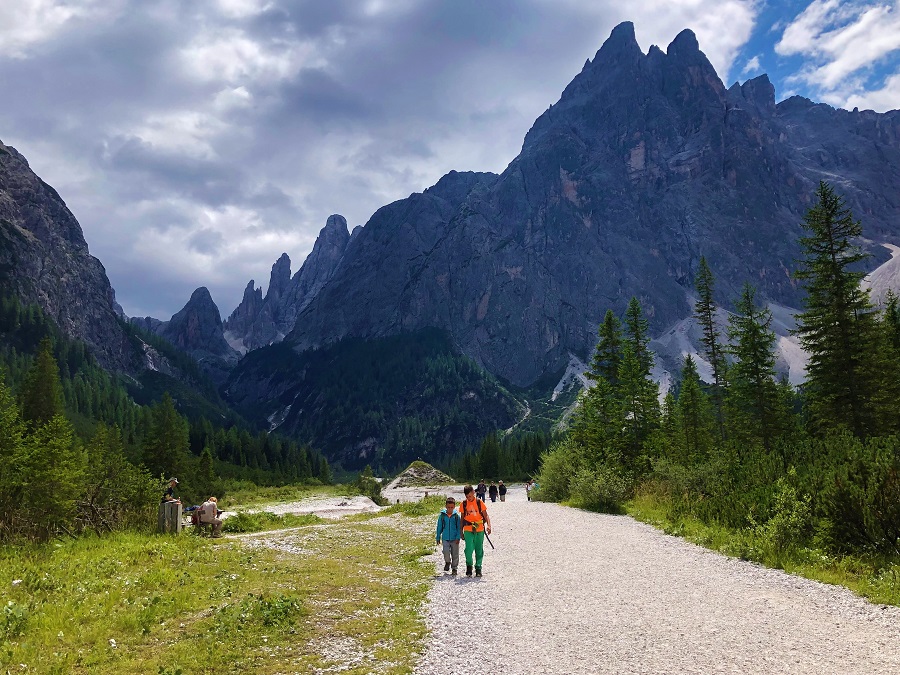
point(474, 544)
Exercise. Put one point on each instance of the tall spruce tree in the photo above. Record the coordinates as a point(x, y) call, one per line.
point(12, 435)
point(637, 392)
point(53, 463)
point(608, 354)
point(891, 321)
point(695, 416)
point(42, 397)
point(598, 422)
point(754, 400)
point(638, 334)
point(705, 313)
point(166, 445)
point(837, 327)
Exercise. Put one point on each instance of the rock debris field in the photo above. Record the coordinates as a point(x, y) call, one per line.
point(567, 591)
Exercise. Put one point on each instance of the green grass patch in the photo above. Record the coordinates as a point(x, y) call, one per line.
point(240, 494)
point(429, 506)
point(264, 521)
point(874, 577)
point(129, 603)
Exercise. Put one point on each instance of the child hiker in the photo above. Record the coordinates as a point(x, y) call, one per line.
point(475, 519)
point(449, 530)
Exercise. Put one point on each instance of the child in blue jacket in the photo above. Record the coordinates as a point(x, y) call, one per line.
point(449, 529)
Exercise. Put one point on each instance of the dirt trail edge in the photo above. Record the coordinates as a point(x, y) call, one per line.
point(568, 591)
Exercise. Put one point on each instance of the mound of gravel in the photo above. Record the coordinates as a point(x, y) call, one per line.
point(420, 474)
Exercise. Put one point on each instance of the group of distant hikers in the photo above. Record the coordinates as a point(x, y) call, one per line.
point(471, 523)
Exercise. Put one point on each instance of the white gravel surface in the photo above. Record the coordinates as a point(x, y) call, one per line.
point(568, 591)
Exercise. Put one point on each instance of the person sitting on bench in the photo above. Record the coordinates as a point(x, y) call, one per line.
point(209, 514)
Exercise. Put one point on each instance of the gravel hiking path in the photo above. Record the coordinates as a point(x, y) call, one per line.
point(567, 591)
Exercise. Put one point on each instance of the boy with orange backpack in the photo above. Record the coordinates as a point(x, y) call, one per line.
point(475, 519)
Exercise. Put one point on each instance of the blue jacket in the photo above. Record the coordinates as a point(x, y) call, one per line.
point(448, 526)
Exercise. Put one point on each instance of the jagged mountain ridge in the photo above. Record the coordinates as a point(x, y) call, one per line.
point(257, 321)
point(646, 163)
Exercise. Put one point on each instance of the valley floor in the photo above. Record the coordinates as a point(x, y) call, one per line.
point(568, 591)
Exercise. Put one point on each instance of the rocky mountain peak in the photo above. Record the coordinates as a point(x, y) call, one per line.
point(197, 329)
point(280, 278)
point(761, 92)
point(684, 46)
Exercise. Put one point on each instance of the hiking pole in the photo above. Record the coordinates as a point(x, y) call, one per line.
point(489, 540)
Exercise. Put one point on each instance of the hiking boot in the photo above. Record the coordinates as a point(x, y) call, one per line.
point(468, 570)
point(453, 573)
point(477, 571)
point(446, 567)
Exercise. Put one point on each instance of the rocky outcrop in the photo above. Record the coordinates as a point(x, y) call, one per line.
point(44, 259)
point(646, 163)
point(257, 322)
point(197, 330)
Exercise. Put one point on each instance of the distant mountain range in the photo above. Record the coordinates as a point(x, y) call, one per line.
point(646, 163)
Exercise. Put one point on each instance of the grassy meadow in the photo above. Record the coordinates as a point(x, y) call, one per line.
point(323, 594)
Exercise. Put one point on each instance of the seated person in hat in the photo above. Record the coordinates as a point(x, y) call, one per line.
point(169, 494)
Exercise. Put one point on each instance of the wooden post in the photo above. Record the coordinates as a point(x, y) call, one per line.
point(169, 518)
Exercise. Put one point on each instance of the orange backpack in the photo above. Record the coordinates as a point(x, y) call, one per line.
point(472, 516)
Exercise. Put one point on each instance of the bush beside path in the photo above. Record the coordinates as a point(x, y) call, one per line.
point(569, 591)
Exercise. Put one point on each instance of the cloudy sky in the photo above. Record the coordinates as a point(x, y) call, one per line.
point(195, 140)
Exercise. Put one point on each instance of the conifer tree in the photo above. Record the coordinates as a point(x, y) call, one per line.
point(837, 326)
point(694, 414)
point(669, 427)
point(42, 392)
point(12, 433)
point(638, 335)
point(891, 321)
point(639, 397)
point(166, 444)
point(205, 474)
point(753, 394)
point(324, 473)
point(608, 353)
point(489, 456)
point(53, 464)
point(597, 423)
point(705, 313)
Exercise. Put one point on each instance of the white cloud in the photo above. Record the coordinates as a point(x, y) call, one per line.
point(228, 55)
point(751, 66)
point(25, 24)
point(842, 42)
point(886, 98)
point(187, 132)
point(241, 9)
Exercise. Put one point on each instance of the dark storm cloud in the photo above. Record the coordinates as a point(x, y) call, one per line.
point(197, 141)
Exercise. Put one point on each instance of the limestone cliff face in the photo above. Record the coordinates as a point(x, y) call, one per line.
point(646, 163)
point(259, 321)
point(44, 259)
